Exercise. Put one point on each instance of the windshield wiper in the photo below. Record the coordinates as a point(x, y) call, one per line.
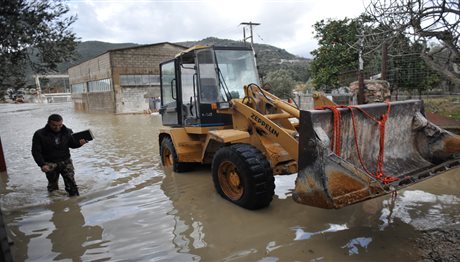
point(223, 85)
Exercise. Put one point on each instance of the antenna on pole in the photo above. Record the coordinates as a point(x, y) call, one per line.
point(250, 24)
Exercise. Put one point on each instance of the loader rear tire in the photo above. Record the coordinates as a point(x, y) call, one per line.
point(169, 157)
point(242, 175)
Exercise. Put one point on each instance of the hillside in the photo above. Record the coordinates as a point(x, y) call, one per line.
point(269, 58)
point(89, 49)
point(85, 51)
point(265, 52)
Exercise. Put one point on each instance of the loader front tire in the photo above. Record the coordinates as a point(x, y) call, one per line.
point(242, 175)
point(169, 157)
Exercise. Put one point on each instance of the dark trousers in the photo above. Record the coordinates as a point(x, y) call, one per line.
point(66, 170)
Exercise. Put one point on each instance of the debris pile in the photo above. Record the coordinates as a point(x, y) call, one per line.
point(374, 90)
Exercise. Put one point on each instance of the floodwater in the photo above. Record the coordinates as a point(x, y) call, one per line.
point(131, 209)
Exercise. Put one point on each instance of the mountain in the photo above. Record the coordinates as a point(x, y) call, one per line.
point(90, 49)
point(265, 52)
point(269, 58)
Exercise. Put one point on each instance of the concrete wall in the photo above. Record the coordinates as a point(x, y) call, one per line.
point(100, 102)
point(141, 60)
point(134, 99)
point(78, 103)
point(92, 70)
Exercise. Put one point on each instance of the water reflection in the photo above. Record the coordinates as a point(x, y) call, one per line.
point(300, 234)
point(131, 209)
point(356, 243)
point(214, 229)
point(421, 209)
point(188, 228)
point(71, 238)
point(12, 229)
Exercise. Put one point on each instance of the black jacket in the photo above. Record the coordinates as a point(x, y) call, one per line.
point(48, 146)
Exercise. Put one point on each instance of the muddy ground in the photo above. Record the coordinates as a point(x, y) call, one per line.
point(131, 209)
point(440, 244)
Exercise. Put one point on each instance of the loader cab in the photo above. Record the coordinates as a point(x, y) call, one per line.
point(200, 80)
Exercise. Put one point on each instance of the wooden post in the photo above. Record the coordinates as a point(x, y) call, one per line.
point(361, 98)
point(2, 158)
point(384, 60)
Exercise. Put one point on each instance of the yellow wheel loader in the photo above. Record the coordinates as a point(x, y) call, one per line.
point(215, 112)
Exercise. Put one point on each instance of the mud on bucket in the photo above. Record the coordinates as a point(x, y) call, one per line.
point(352, 154)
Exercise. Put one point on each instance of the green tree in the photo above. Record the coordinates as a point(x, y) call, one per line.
point(34, 34)
point(337, 52)
point(424, 23)
point(281, 83)
point(336, 60)
point(300, 70)
point(407, 70)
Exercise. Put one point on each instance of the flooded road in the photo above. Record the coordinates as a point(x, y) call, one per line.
point(131, 209)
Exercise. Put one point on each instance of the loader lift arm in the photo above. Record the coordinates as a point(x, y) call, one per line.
point(416, 149)
point(267, 118)
point(340, 154)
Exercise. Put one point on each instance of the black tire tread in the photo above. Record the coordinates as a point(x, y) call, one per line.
point(178, 167)
point(255, 166)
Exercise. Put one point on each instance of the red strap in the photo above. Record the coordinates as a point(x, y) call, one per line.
point(336, 141)
point(336, 132)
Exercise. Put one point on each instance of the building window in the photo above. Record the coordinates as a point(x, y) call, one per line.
point(139, 80)
point(103, 85)
point(79, 88)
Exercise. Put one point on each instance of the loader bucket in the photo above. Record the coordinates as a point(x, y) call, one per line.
point(414, 149)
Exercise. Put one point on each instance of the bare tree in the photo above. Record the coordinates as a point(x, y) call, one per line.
point(432, 23)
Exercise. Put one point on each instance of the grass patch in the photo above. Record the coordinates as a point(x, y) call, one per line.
point(455, 116)
point(449, 107)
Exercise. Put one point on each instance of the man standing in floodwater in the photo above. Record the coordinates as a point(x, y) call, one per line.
point(50, 149)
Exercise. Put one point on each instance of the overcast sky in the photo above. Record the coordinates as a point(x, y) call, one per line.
point(286, 24)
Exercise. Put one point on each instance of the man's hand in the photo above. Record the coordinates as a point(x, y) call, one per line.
point(46, 168)
point(83, 141)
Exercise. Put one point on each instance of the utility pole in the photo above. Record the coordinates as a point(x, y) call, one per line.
point(250, 24)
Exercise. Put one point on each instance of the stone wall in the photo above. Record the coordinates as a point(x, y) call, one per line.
point(374, 90)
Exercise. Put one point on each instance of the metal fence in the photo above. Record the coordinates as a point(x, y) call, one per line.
point(305, 101)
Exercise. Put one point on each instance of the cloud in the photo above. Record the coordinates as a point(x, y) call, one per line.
point(285, 24)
